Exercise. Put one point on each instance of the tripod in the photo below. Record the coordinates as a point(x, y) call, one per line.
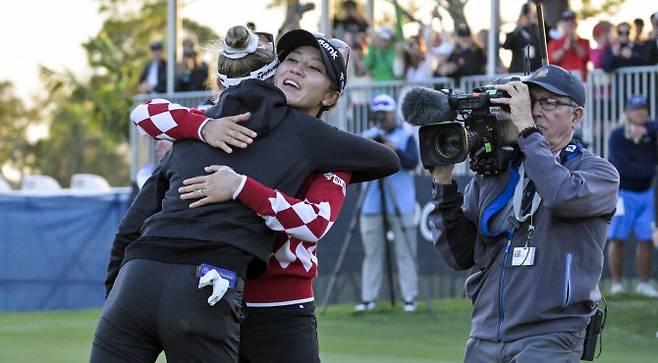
point(388, 237)
point(404, 228)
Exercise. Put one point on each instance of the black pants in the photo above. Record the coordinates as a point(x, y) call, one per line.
point(283, 334)
point(156, 306)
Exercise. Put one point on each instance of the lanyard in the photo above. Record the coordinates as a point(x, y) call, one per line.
point(517, 199)
point(570, 151)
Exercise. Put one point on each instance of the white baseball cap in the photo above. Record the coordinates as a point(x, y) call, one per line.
point(383, 103)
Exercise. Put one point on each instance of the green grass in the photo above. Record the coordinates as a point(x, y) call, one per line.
point(385, 335)
point(390, 335)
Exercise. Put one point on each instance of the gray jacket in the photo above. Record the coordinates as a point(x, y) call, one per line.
point(557, 293)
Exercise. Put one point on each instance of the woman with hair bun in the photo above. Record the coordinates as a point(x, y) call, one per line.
point(167, 258)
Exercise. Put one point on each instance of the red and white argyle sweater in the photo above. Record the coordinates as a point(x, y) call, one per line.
point(300, 222)
point(162, 119)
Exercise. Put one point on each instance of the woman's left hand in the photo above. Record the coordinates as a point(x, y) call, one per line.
point(214, 188)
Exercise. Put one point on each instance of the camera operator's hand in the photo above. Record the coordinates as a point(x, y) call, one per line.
point(519, 104)
point(442, 174)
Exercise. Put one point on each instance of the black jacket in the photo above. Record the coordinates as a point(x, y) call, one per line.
point(651, 52)
point(516, 42)
point(289, 147)
point(610, 61)
point(470, 61)
point(161, 87)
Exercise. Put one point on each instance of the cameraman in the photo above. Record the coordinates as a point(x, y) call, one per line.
point(399, 194)
point(537, 252)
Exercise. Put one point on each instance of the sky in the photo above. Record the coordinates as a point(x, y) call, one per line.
point(34, 32)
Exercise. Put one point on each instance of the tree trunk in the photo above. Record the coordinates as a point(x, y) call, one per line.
point(294, 13)
point(456, 10)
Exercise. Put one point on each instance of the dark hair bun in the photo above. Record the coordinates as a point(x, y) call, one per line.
point(237, 37)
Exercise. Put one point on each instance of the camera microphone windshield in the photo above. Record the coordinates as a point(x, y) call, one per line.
point(423, 106)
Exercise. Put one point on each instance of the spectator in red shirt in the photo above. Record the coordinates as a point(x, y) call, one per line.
point(570, 52)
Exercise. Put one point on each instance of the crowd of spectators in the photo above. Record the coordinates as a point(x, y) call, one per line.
point(191, 73)
point(384, 54)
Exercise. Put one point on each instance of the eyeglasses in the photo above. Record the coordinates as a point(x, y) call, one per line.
point(623, 32)
point(550, 104)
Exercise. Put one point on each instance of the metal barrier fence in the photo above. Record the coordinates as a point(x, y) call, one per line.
point(607, 94)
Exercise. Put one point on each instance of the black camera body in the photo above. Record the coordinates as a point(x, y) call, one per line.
point(473, 131)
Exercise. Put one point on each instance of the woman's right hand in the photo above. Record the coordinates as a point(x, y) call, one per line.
point(225, 131)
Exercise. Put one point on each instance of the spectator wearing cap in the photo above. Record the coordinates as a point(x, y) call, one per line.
point(623, 52)
point(602, 36)
point(651, 45)
point(466, 58)
point(192, 73)
point(399, 197)
point(524, 39)
point(632, 150)
point(154, 75)
point(570, 52)
point(536, 253)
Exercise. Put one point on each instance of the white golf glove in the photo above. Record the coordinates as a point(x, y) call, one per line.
point(219, 285)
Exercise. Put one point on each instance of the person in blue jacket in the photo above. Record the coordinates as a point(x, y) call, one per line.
point(633, 152)
point(534, 234)
point(399, 193)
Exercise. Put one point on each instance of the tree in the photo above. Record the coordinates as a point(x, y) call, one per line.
point(608, 7)
point(89, 119)
point(77, 142)
point(294, 13)
point(118, 54)
point(15, 119)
